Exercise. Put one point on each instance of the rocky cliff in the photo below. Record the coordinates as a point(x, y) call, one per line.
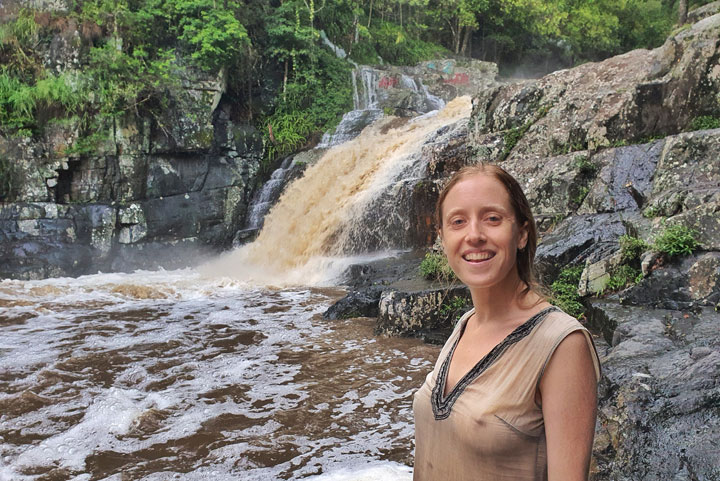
point(612, 155)
point(152, 191)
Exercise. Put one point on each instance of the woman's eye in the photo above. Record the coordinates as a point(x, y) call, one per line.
point(493, 219)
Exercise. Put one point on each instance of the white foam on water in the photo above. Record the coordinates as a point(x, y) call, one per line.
point(377, 471)
point(219, 350)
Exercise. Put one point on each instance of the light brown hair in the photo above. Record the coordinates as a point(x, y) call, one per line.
point(525, 260)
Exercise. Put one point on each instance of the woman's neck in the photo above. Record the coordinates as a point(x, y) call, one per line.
point(503, 302)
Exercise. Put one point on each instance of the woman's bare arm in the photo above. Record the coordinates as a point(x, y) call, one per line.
point(568, 390)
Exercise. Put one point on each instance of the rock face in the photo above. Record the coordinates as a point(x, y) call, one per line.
point(607, 150)
point(659, 398)
point(148, 196)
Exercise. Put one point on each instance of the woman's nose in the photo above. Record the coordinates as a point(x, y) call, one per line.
point(476, 232)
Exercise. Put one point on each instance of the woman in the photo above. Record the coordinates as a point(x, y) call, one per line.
point(513, 394)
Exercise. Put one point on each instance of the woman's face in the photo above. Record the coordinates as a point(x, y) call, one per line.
point(479, 231)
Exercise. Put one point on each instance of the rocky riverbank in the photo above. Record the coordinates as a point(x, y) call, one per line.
point(612, 155)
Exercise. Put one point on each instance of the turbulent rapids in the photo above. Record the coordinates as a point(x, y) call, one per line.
point(214, 374)
point(167, 375)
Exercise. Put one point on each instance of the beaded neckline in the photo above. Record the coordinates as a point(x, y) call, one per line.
point(441, 405)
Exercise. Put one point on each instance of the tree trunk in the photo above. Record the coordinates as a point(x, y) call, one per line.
point(466, 41)
point(370, 14)
point(285, 77)
point(457, 34)
point(356, 24)
point(682, 12)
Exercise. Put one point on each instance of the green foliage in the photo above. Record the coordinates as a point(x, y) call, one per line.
point(652, 211)
point(453, 306)
point(564, 291)
point(580, 194)
point(705, 122)
point(631, 248)
point(394, 45)
point(313, 102)
point(513, 136)
point(435, 267)
point(586, 166)
point(676, 240)
point(217, 39)
point(623, 276)
point(19, 101)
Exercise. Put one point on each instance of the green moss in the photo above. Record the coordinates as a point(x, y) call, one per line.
point(453, 305)
point(622, 277)
point(580, 195)
point(705, 122)
point(652, 211)
point(585, 165)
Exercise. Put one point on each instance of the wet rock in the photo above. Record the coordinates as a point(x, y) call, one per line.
point(595, 276)
point(684, 283)
point(360, 303)
point(688, 174)
point(658, 415)
point(704, 279)
point(595, 105)
point(578, 239)
point(556, 187)
point(415, 313)
point(704, 11)
point(624, 178)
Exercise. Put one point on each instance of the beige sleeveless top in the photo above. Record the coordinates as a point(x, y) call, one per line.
point(489, 426)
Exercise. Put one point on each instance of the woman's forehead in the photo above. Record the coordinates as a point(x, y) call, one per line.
point(478, 191)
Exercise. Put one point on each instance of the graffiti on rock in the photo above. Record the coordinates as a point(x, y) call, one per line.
point(387, 82)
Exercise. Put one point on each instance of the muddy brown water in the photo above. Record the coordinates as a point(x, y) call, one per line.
point(153, 376)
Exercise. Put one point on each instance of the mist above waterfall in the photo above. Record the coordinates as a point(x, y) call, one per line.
point(317, 223)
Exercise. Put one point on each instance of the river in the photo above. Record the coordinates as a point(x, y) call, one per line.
point(174, 375)
point(229, 371)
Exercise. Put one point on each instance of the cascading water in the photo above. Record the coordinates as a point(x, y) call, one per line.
point(366, 103)
point(265, 198)
point(307, 236)
point(181, 375)
point(365, 109)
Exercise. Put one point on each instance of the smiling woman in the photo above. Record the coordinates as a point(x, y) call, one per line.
point(513, 393)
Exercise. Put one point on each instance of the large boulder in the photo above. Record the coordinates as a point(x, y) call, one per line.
point(658, 416)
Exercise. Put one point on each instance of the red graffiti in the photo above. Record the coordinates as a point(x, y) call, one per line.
point(458, 79)
point(387, 82)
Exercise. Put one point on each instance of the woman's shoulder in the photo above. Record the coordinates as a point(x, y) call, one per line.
point(559, 320)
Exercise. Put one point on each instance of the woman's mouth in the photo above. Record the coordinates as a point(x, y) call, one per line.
point(477, 257)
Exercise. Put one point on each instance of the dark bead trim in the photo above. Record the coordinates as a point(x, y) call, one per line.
point(441, 407)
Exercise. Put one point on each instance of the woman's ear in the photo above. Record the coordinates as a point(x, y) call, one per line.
point(523, 236)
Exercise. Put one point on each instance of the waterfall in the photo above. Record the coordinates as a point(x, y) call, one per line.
point(264, 199)
point(365, 109)
point(318, 221)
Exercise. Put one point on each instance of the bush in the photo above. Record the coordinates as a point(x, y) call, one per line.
point(631, 248)
point(564, 291)
point(676, 240)
point(623, 276)
point(435, 267)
